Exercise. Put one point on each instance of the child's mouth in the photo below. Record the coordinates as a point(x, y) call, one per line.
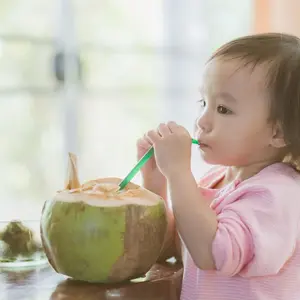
point(203, 145)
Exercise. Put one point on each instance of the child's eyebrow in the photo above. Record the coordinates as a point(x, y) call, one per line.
point(224, 95)
point(227, 96)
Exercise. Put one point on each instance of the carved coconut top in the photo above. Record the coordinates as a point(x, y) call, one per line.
point(102, 191)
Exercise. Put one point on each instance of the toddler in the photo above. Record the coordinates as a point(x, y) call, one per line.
point(239, 224)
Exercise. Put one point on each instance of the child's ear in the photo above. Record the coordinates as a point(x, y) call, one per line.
point(278, 137)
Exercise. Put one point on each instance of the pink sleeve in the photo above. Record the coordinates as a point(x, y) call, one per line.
point(256, 234)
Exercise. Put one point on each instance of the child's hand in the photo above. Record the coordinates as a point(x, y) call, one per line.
point(172, 146)
point(150, 172)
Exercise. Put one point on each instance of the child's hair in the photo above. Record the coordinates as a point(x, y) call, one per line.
point(281, 55)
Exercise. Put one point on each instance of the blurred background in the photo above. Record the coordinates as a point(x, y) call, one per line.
point(91, 76)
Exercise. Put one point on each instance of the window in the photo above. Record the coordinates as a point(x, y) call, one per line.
point(141, 63)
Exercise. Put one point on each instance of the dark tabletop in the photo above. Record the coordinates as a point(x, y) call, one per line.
point(163, 282)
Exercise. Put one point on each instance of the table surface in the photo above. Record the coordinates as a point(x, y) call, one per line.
point(162, 282)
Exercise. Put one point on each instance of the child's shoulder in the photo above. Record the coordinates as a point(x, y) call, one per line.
point(276, 176)
point(275, 191)
point(278, 183)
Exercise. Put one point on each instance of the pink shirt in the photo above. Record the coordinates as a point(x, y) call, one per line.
point(257, 245)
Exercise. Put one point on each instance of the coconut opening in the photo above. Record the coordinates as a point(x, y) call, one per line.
point(102, 191)
point(105, 192)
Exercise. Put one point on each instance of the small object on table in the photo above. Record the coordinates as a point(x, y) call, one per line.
point(18, 247)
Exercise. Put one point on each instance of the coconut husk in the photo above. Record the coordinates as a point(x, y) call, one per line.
point(72, 181)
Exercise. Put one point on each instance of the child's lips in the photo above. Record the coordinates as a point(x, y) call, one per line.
point(203, 145)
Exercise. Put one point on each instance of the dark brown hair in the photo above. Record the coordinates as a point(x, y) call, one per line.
point(281, 54)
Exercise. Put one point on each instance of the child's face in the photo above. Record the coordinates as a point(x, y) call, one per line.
point(233, 115)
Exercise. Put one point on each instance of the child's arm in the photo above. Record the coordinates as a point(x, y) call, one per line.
point(195, 220)
point(258, 230)
point(254, 234)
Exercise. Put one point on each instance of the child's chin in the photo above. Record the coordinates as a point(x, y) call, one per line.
point(209, 159)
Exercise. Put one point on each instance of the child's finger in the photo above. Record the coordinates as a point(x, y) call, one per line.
point(144, 143)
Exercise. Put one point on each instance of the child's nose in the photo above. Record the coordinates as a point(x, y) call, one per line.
point(204, 122)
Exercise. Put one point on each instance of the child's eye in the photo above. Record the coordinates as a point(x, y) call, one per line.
point(202, 103)
point(223, 110)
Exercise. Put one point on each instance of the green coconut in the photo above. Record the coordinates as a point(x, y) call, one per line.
point(95, 233)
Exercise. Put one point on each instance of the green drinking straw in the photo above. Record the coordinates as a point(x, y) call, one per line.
point(139, 165)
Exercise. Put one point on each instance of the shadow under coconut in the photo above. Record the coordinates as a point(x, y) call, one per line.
point(162, 282)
